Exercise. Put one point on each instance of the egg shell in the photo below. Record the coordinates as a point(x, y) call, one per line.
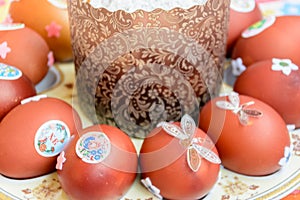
point(280, 40)
point(275, 88)
point(26, 50)
point(254, 149)
point(46, 13)
point(16, 89)
point(108, 179)
point(239, 20)
point(19, 157)
point(164, 160)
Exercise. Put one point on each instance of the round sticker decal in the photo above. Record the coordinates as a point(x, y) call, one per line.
point(243, 6)
point(51, 138)
point(259, 27)
point(93, 147)
point(8, 72)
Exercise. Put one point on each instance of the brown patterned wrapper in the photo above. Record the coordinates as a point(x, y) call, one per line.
point(136, 69)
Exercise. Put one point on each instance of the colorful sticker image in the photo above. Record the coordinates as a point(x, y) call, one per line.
point(259, 27)
point(9, 73)
point(93, 147)
point(51, 138)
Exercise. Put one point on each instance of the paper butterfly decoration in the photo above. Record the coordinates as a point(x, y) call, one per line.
point(240, 110)
point(197, 148)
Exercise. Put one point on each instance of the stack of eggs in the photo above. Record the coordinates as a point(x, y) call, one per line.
point(266, 60)
point(272, 64)
point(48, 131)
point(249, 125)
point(36, 125)
point(245, 130)
point(34, 128)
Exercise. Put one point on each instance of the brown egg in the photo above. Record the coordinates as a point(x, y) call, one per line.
point(165, 160)
point(99, 163)
point(242, 15)
point(15, 86)
point(251, 137)
point(25, 49)
point(276, 82)
point(33, 134)
point(50, 19)
point(272, 37)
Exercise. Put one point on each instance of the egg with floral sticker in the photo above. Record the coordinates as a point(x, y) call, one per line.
point(179, 161)
point(243, 13)
point(33, 134)
point(49, 19)
point(25, 49)
point(268, 38)
point(100, 162)
point(275, 82)
point(16, 85)
point(250, 135)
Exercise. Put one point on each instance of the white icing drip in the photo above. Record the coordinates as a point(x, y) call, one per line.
point(147, 5)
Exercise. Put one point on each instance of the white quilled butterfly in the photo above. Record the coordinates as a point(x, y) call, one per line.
point(240, 110)
point(197, 148)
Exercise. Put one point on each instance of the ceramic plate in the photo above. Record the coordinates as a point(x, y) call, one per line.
point(51, 79)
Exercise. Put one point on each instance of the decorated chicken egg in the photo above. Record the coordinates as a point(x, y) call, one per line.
point(251, 137)
point(179, 160)
point(243, 13)
point(100, 162)
point(15, 86)
point(33, 134)
point(49, 19)
point(276, 82)
point(25, 49)
point(271, 37)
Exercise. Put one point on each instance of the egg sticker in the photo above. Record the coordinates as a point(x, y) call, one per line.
point(9, 73)
point(284, 65)
point(259, 27)
point(93, 147)
point(287, 155)
point(197, 148)
point(51, 138)
point(241, 111)
point(151, 188)
point(242, 5)
point(4, 49)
